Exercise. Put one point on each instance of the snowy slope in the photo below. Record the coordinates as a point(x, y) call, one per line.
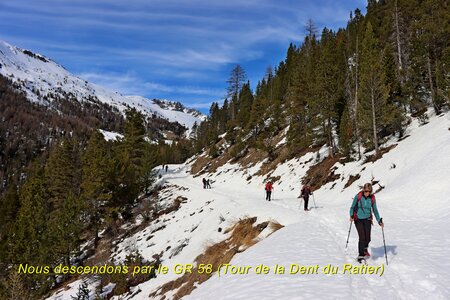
point(416, 211)
point(111, 136)
point(40, 76)
point(414, 205)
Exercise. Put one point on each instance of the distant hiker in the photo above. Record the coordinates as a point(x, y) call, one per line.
point(269, 189)
point(162, 167)
point(361, 212)
point(204, 183)
point(208, 185)
point(167, 168)
point(305, 193)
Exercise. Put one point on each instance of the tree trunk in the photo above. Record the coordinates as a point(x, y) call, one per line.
point(374, 123)
point(399, 49)
point(96, 238)
point(356, 103)
point(330, 139)
point(430, 79)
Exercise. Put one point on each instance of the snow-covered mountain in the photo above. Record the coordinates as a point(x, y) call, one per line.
point(412, 199)
point(41, 79)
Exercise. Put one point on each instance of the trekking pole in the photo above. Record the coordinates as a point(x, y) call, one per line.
point(314, 202)
point(385, 253)
point(350, 228)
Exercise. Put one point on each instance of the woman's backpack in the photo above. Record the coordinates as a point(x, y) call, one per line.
point(355, 210)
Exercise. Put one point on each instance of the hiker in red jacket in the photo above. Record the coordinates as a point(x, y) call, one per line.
point(269, 189)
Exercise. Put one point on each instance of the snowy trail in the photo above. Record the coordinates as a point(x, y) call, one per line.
point(323, 243)
point(320, 244)
point(250, 202)
point(408, 270)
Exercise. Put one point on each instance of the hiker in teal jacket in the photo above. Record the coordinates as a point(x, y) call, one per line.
point(361, 213)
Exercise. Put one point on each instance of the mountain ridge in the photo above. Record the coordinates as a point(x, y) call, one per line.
point(41, 78)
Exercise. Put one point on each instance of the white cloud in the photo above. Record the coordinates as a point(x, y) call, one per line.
point(124, 83)
point(131, 84)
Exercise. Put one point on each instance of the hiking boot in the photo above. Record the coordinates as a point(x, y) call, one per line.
point(360, 259)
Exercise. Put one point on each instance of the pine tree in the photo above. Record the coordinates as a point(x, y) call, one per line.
point(134, 143)
point(301, 94)
point(65, 227)
point(430, 38)
point(373, 87)
point(246, 102)
point(30, 243)
point(328, 86)
point(223, 117)
point(129, 165)
point(256, 119)
point(214, 120)
point(352, 80)
point(443, 78)
point(83, 291)
point(346, 135)
point(235, 83)
point(299, 133)
point(9, 207)
point(148, 176)
point(95, 183)
point(62, 173)
point(341, 105)
point(268, 77)
point(16, 289)
point(63, 176)
point(311, 29)
point(399, 39)
point(393, 118)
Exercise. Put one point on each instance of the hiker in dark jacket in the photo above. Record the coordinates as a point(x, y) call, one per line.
point(204, 183)
point(305, 193)
point(269, 189)
point(208, 184)
point(361, 212)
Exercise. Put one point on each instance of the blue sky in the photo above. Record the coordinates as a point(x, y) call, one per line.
point(180, 50)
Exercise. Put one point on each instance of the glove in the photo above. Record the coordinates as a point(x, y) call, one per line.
point(381, 222)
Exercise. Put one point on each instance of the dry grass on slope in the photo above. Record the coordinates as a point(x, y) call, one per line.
point(322, 173)
point(242, 236)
